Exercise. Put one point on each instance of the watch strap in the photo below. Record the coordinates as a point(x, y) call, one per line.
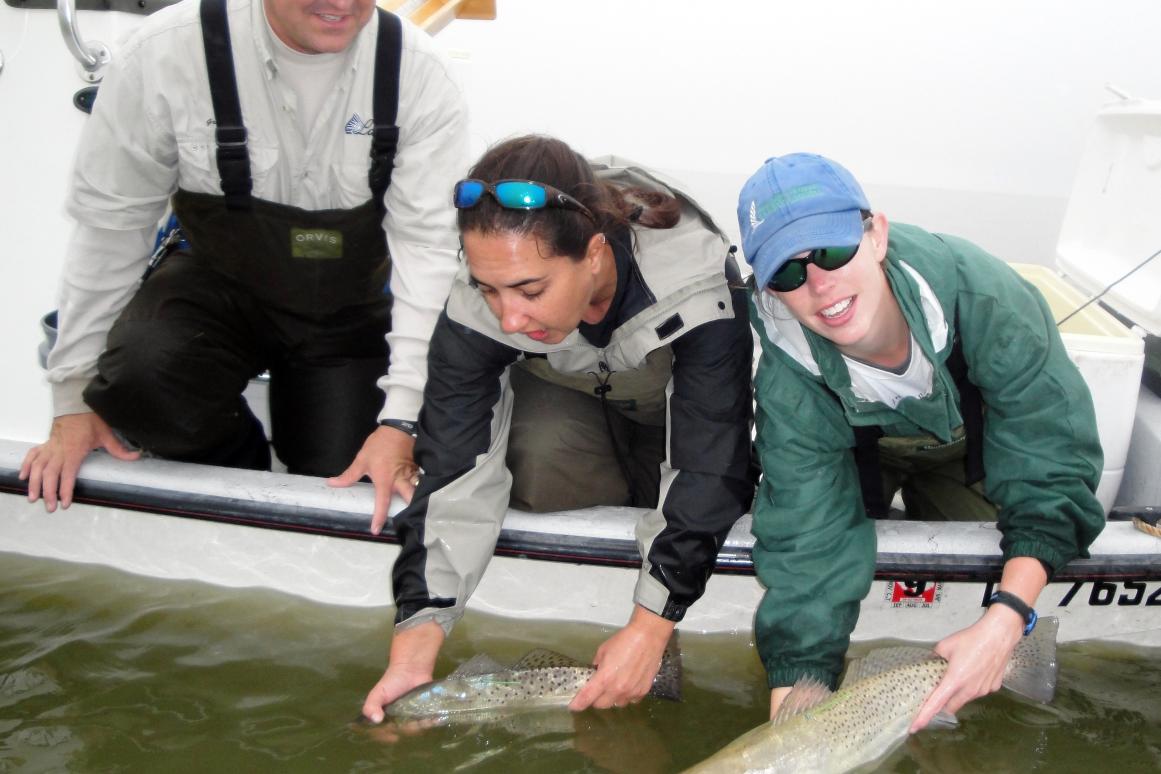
point(1010, 600)
point(406, 425)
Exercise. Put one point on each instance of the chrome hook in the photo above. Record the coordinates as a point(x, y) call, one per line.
point(92, 56)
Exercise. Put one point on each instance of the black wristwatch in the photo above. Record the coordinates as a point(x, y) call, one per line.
point(407, 426)
point(1009, 599)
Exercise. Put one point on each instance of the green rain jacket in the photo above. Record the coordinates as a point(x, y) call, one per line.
point(815, 549)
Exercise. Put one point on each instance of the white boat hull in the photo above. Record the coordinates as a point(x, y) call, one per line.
point(573, 566)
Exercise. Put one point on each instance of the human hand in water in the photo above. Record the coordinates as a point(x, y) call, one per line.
point(626, 663)
point(387, 458)
point(978, 655)
point(411, 663)
point(51, 468)
point(777, 696)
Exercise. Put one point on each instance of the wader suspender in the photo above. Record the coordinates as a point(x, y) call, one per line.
point(971, 406)
point(385, 137)
point(230, 134)
point(233, 156)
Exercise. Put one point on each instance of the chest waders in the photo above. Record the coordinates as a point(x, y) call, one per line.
point(265, 286)
point(868, 455)
point(310, 263)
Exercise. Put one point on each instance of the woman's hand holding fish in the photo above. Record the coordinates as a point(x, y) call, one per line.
point(977, 656)
point(777, 696)
point(412, 663)
point(626, 663)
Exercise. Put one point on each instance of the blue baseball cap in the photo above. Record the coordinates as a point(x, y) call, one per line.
point(796, 203)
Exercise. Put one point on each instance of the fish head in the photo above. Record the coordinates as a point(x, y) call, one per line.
point(440, 697)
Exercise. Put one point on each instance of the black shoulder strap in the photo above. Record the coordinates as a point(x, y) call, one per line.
point(385, 139)
point(870, 470)
point(233, 156)
point(971, 407)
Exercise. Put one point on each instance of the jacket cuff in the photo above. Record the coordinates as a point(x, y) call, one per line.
point(654, 597)
point(445, 617)
point(68, 398)
point(786, 676)
point(401, 403)
point(1049, 556)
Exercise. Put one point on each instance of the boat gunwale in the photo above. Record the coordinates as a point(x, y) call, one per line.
point(544, 537)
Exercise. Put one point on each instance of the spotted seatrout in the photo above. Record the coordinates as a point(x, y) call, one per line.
point(817, 730)
point(540, 679)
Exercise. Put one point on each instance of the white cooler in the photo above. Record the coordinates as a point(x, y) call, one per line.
point(1112, 224)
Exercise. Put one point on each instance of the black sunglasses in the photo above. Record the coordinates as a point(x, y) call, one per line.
point(792, 274)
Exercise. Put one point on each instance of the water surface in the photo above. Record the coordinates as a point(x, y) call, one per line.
point(105, 671)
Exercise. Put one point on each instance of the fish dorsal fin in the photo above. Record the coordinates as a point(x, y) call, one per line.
point(541, 658)
point(882, 660)
point(806, 693)
point(479, 664)
point(853, 673)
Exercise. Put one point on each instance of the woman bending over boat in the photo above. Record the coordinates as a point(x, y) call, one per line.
point(592, 352)
point(893, 359)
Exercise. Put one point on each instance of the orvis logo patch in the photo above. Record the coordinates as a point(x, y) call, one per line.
point(318, 243)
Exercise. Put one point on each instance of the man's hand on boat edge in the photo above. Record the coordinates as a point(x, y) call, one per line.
point(51, 468)
point(387, 458)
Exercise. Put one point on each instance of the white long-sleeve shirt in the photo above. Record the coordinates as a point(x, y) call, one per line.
point(152, 131)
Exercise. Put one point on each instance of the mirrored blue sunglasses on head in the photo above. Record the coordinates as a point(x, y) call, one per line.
point(792, 274)
point(516, 195)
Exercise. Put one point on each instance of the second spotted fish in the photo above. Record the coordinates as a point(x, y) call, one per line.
point(541, 679)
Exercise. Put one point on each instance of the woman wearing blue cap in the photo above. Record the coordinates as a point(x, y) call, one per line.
point(895, 359)
point(592, 351)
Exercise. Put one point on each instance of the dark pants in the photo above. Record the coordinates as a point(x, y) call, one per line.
point(931, 479)
point(562, 458)
point(183, 350)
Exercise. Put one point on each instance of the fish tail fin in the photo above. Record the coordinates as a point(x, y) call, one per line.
point(667, 683)
point(1032, 670)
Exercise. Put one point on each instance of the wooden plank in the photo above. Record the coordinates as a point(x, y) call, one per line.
point(434, 15)
point(477, 9)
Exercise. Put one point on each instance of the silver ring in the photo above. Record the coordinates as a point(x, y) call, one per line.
point(415, 480)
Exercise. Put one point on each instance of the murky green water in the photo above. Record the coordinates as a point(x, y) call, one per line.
point(102, 671)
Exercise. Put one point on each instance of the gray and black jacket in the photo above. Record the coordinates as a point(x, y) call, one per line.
point(673, 293)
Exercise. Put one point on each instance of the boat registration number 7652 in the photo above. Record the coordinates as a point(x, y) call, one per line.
point(1099, 593)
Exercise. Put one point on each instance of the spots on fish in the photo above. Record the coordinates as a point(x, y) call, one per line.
point(508, 688)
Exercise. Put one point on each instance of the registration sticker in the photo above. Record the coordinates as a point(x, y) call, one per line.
point(914, 593)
